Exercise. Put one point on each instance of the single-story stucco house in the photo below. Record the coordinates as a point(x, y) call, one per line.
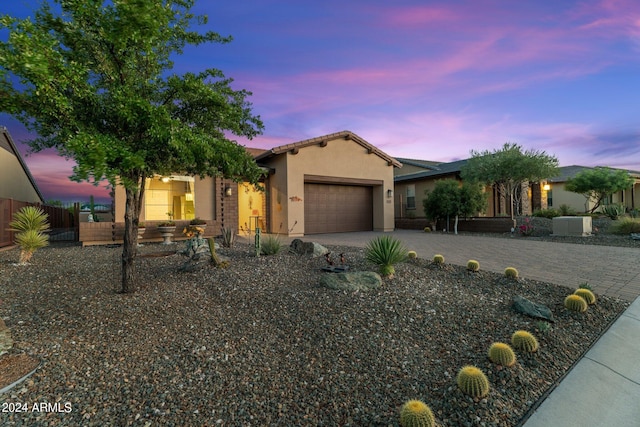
point(332, 183)
point(17, 181)
point(558, 195)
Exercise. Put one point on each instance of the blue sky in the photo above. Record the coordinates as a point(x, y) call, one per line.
point(423, 79)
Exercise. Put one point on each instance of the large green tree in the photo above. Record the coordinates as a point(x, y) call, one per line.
point(453, 198)
point(597, 183)
point(94, 80)
point(508, 168)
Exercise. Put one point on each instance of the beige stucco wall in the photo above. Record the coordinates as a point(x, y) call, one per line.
point(15, 182)
point(560, 197)
point(340, 158)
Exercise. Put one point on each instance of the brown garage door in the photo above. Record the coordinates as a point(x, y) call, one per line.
point(330, 208)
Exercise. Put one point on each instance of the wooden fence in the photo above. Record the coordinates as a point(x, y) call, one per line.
point(64, 221)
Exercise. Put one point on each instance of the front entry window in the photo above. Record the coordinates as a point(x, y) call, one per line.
point(171, 196)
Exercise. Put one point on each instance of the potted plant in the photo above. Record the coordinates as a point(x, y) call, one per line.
point(167, 229)
point(198, 222)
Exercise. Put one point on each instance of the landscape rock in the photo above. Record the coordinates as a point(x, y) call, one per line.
point(356, 281)
point(307, 248)
point(5, 338)
point(532, 309)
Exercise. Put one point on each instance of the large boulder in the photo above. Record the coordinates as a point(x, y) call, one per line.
point(307, 248)
point(355, 281)
point(532, 309)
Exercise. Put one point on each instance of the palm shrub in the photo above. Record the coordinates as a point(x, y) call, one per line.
point(31, 224)
point(473, 381)
point(575, 303)
point(473, 265)
point(416, 413)
point(502, 354)
point(588, 296)
point(270, 245)
point(525, 341)
point(385, 251)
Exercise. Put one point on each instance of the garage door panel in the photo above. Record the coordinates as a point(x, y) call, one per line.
point(331, 208)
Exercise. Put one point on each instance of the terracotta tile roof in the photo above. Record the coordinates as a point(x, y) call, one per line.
point(347, 135)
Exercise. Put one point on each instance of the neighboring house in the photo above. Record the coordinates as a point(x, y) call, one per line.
point(17, 181)
point(558, 196)
point(332, 183)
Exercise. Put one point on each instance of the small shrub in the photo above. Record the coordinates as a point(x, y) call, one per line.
point(613, 211)
point(31, 224)
point(502, 354)
point(585, 285)
point(625, 225)
point(412, 255)
point(197, 221)
point(566, 210)
point(543, 326)
point(575, 303)
point(416, 413)
point(546, 213)
point(270, 245)
point(586, 294)
point(524, 341)
point(438, 259)
point(473, 265)
point(427, 230)
point(526, 228)
point(228, 237)
point(511, 273)
point(473, 382)
point(29, 242)
point(385, 251)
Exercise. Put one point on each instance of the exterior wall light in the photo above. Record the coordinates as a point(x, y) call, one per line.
point(546, 187)
point(389, 194)
point(165, 179)
point(228, 191)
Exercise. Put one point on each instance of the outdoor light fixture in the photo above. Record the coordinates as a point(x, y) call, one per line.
point(228, 191)
point(546, 187)
point(165, 179)
point(389, 193)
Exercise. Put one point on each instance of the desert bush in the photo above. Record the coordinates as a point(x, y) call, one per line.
point(412, 255)
point(502, 354)
point(575, 303)
point(566, 210)
point(416, 413)
point(427, 230)
point(546, 213)
point(525, 341)
point(473, 382)
point(625, 225)
point(613, 210)
point(385, 251)
point(438, 259)
point(473, 265)
point(270, 245)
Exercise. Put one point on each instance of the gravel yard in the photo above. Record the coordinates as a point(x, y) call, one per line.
point(262, 343)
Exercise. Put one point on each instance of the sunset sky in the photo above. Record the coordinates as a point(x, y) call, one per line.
point(421, 79)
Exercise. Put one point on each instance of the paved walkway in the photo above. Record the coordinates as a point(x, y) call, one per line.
point(612, 271)
point(603, 388)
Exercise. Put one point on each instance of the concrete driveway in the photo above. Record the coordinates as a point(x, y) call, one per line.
point(612, 271)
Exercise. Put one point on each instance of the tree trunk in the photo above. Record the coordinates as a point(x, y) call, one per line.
point(130, 241)
point(455, 226)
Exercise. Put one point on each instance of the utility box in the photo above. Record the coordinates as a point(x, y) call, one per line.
point(572, 226)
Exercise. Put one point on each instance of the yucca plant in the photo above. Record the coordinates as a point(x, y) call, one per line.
point(416, 413)
point(385, 251)
point(270, 245)
point(31, 224)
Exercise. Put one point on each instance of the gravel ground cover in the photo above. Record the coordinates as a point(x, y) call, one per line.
point(262, 343)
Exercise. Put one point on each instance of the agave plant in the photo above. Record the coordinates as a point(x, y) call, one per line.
point(385, 251)
point(31, 223)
